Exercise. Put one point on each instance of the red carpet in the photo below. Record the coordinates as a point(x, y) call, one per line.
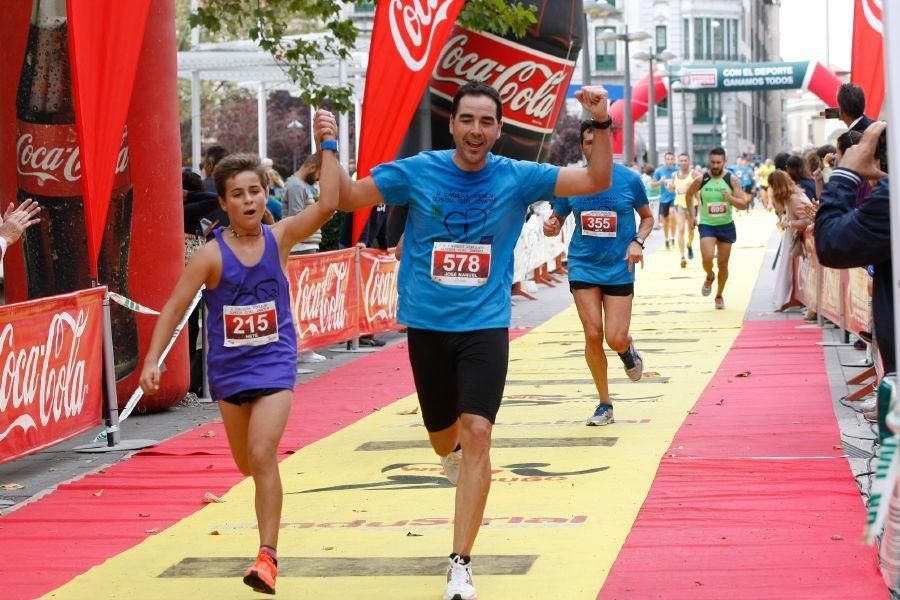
point(752, 500)
point(83, 523)
point(73, 529)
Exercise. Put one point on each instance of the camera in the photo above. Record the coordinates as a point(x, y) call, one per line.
point(831, 113)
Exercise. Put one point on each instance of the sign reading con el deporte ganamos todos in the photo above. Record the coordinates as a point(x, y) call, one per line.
point(745, 76)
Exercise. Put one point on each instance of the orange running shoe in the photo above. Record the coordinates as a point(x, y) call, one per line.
point(261, 576)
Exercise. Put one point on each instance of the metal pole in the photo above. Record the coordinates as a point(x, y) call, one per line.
point(586, 62)
point(261, 119)
point(670, 100)
point(109, 378)
point(684, 119)
point(343, 120)
point(628, 137)
point(204, 351)
point(891, 20)
point(651, 117)
point(195, 100)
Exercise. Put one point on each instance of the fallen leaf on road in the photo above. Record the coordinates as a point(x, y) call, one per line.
point(209, 466)
point(214, 532)
point(208, 434)
point(838, 447)
point(721, 402)
point(743, 374)
point(650, 374)
point(327, 547)
point(12, 486)
point(143, 515)
point(210, 498)
point(98, 493)
point(151, 531)
point(837, 538)
point(413, 411)
point(411, 534)
point(51, 470)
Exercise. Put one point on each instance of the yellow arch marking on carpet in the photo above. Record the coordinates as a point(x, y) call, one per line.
point(574, 524)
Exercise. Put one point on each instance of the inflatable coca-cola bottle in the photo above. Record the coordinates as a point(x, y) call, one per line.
point(49, 171)
point(532, 75)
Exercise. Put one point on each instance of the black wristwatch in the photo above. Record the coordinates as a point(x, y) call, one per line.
point(639, 240)
point(601, 124)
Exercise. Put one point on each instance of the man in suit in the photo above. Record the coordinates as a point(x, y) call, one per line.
point(856, 237)
point(852, 106)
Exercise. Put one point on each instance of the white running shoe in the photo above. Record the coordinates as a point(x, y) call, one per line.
point(459, 581)
point(308, 356)
point(451, 464)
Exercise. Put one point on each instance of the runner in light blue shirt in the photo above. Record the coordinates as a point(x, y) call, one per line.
point(603, 252)
point(466, 210)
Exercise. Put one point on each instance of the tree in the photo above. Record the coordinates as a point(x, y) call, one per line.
point(274, 25)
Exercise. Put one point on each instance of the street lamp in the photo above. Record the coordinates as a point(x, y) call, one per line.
point(598, 10)
point(625, 36)
point(650, 57)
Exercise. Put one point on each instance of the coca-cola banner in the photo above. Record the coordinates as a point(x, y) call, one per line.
point(379, 297)
point(406, 40)
point(857, 300)
point(50, 382)
point(324, 297)
point(104, 43)
point(142, 247)
point(531, 73)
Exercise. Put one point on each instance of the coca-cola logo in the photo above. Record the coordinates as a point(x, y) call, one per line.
point(48, 376)
point(50, 154)
point(319, 306)
point(414, 24)
point(380, 301)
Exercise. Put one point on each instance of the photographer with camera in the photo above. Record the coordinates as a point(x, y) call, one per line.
point(852, 107)
point(848, 235)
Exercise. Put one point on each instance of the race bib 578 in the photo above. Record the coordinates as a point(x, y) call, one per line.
point(460, 264)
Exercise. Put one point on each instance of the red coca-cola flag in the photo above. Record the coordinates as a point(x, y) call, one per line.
point(105, 38)
point(378, 293)
point(867, 65)
point(406, 41)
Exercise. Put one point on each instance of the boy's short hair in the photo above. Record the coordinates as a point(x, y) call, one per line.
point(233, 164)
point(477, 88)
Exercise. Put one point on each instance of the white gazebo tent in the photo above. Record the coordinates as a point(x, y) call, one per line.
point(246, 64)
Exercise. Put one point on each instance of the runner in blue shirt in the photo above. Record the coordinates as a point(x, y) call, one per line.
point(604, 249)
point(662, 179)
point(466, 211)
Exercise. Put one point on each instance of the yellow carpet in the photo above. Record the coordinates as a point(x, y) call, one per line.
point(564, 495)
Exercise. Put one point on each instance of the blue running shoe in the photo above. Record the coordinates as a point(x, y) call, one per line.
point(602, 416)
point(690, 253)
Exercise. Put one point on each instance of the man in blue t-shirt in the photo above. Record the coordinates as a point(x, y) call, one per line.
point(466, 211)
point(605, 247)
point(662, 179)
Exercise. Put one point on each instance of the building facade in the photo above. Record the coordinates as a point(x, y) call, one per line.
point(697, 32)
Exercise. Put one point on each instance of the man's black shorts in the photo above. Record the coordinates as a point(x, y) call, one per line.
point(458, 372)
point(625, 289)
point(250, 395)
point(664, 208)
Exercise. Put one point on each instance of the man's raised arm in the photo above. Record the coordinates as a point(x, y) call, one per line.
point(576, 181)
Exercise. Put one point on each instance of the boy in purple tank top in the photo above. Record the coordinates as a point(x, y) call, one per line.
point(251, 333)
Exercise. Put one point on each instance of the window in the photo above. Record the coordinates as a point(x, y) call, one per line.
point(364, 6)
point(714, 38)
point(707, 107)
point(605, 57)
point(686, 40)
point(703, 143)
point(699, 52)
point(662, 38)
point(662, 107)
point(718, 39)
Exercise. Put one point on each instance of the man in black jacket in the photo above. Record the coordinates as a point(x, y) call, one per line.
point(856, 237)
point(852, 106)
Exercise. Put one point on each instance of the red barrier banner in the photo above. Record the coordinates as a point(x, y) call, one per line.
point(831, 295)
point(324, 297)
point(857, 300)
point(378, 293)
point(50, 383)
point(806, 280)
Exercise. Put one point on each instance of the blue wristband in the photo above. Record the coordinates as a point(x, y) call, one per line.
point(330, 145)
